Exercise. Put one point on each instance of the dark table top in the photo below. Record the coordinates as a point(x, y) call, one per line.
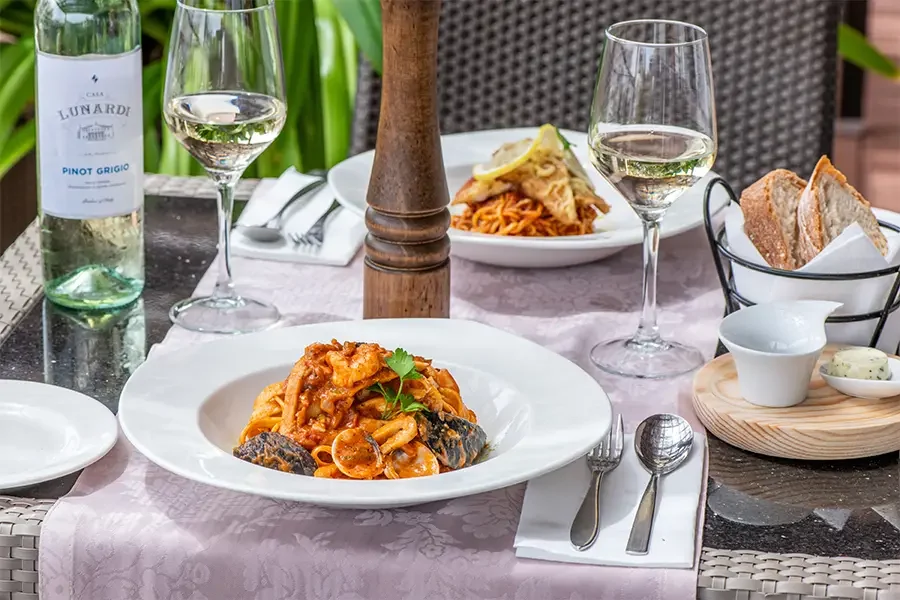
point(849, 508)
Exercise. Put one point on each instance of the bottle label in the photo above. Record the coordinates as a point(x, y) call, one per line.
point(90, 135)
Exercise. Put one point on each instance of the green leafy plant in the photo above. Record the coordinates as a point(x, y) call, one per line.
point(320, 43)
point(321, 40)
point(856, 49)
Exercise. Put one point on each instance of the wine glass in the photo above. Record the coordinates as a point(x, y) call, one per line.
point(225, 102)
point(652, 136)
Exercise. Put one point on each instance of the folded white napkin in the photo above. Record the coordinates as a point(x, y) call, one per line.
point(551, 502)
point(344, 232)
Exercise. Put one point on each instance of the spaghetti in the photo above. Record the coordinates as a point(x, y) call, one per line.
point(512, 214)
point(363, 412)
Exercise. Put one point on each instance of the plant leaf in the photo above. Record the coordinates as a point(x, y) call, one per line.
point(153, 77)
point(308, 117)
point(856, 49)
point(148, 6)
point(336, 109)
point(364, 19)
point(152, 149)
point(351, 50)
point(408, 404)
point(17, 17)
point(301, 143)
point(401, 363)
point(156, 30)
point(17, 90)
point(20, 143)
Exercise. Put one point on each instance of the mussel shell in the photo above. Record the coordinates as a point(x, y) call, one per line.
point(456, 442)
point(278, 452)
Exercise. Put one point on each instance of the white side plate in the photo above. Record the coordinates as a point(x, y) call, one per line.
point(461, 151)
point(185, 410)
point(48, 432)
point(865, 388)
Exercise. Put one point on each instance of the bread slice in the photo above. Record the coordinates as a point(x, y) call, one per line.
point(829, 205)
point(770, 217)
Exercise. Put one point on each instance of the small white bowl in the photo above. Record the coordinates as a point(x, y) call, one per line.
point(775, 349)
point(866, 388)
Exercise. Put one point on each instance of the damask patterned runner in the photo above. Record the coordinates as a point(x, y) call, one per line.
point(132, 529)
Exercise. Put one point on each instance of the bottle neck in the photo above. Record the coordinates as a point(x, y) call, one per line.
point(91, 7)
point(80, 27)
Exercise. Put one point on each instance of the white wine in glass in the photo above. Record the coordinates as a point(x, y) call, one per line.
point(226, 131)
point(652, 166)
point(652, 136)
point(225, 103)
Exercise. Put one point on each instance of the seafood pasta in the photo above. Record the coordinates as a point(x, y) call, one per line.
point(358, 411)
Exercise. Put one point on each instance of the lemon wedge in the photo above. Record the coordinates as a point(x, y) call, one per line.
point(513, 155)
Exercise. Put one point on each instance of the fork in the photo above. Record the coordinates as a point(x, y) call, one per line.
point(603, 458)
point(315, 236)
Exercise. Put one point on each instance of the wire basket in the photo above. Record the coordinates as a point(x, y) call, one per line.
point(718, 243)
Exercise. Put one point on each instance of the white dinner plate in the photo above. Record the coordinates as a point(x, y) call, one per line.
point(461, 151)
point(48, 432)
point(185, 410)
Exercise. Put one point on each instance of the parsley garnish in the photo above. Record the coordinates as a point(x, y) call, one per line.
point(401, 363)
point(566, 144)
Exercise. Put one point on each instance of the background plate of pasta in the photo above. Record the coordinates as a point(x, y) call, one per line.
point(528, 197)
point(364, 414)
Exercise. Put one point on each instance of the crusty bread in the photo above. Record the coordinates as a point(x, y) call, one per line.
point(828, 205)
point(770, 218)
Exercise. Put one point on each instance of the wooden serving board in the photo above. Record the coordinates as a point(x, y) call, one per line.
point(828, 425)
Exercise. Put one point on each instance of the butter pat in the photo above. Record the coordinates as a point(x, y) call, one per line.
point(860, 363)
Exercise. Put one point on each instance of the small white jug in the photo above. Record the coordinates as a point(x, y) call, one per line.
point(775, 347)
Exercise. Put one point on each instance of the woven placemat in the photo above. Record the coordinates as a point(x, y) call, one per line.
point(749, 575)
point(20, 529)
point(20, 279)
point(193, 187)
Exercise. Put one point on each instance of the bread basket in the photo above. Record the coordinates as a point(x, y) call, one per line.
point(725, 261)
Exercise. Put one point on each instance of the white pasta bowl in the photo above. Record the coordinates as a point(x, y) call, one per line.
point(185, 410)
point(620, 229)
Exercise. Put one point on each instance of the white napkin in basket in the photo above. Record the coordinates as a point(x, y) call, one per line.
point(551, 502)
point(344, 233)
point(850, 252)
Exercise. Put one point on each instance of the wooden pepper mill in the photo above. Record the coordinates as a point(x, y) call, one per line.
point(407, 266)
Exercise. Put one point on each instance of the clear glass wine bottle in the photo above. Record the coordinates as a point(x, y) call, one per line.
point(90, 151)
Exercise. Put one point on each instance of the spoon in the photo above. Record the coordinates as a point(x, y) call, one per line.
point(270, 231)
point(662, 443)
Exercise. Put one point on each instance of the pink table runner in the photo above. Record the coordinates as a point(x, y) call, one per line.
point(131, 530)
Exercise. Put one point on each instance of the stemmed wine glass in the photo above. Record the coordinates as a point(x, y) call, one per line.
point(652, 136)
point(225, 102)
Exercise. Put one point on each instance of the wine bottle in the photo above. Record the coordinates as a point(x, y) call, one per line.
point(90, 151)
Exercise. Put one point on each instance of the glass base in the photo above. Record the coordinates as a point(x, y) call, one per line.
point(650, 359)
point(93, 287)
point(224, 315)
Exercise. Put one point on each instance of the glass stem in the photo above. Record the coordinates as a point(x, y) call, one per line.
point(648, 330)
point(225, 285)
